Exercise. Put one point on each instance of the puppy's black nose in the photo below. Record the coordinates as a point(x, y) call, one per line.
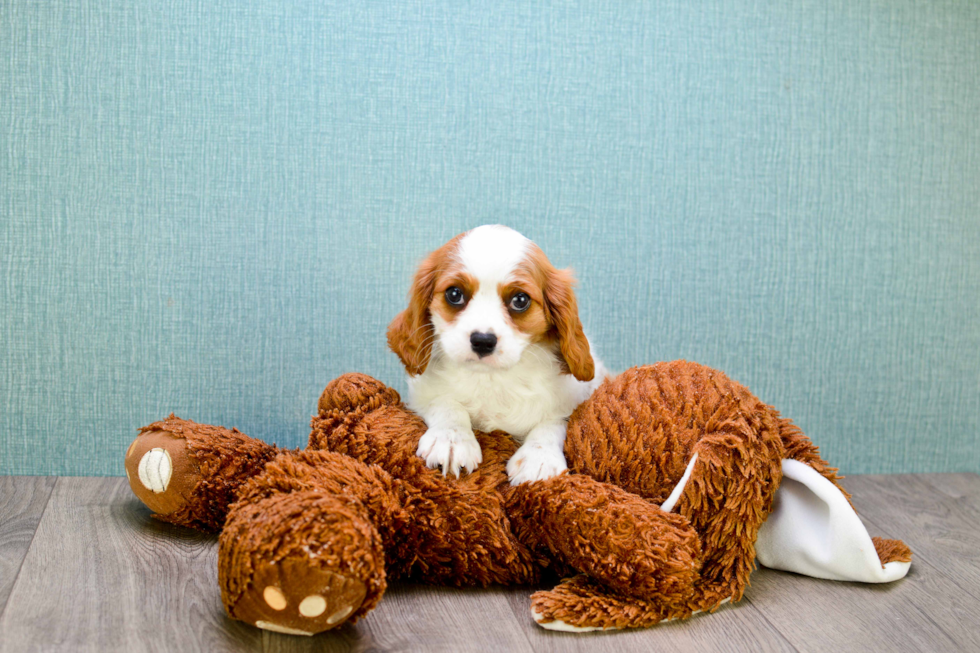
point(483, 343)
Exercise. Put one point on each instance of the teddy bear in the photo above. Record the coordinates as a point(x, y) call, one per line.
point(673, 489)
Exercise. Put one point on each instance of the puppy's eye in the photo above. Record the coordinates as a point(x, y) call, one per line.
point(520, 302)
point(455, 296)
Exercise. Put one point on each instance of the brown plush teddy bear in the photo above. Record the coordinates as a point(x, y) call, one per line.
point(673, 469)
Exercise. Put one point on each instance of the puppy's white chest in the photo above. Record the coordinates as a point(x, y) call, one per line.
point(509, 404)
point(514, 400)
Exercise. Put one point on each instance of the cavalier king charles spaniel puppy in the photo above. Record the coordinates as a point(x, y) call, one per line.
point(491, 339)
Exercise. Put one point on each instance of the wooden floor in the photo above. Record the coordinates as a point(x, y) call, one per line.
point(84, 568)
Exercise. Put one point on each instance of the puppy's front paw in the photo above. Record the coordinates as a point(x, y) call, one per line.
point(451, 449)
point(535, 462)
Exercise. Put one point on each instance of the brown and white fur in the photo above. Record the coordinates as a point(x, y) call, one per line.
point(491, 339)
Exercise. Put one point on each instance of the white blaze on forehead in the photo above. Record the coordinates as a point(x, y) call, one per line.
point(491, 253)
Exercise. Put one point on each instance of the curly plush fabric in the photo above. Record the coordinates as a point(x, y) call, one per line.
point(673, 468)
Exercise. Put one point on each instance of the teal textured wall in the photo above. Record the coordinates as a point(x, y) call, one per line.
point(213, 207)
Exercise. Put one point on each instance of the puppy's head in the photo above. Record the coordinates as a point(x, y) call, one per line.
point(483, 298)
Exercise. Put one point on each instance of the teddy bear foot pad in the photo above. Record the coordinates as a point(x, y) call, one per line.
point(161, 472)
point(295, 599)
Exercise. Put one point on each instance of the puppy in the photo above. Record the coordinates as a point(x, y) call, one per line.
point(491, 339)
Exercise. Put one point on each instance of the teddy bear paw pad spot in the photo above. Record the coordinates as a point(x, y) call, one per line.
point(274, 598)
point(313, 606)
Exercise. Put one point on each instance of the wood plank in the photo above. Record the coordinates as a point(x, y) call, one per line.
point(940, 527)
point(22, 502)
point(955, 486)
point(101, 575)
point(926, 611)
point(422, 618)
point(923, 612)
point(739, 627)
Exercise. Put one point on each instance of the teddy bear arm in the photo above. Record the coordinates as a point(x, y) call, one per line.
point(619, 539)
point(189, 473)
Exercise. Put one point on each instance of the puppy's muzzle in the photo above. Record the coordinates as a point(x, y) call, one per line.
point(483, 343)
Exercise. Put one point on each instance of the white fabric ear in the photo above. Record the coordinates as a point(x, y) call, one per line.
point(814, 531)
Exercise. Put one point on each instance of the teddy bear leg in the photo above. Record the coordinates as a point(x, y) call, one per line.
point(582, 604)
point(189, 473)
point(624, 542)
point(300, 563)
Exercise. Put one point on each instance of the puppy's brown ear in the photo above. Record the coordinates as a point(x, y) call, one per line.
point(563, 311)
point(410, 334)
